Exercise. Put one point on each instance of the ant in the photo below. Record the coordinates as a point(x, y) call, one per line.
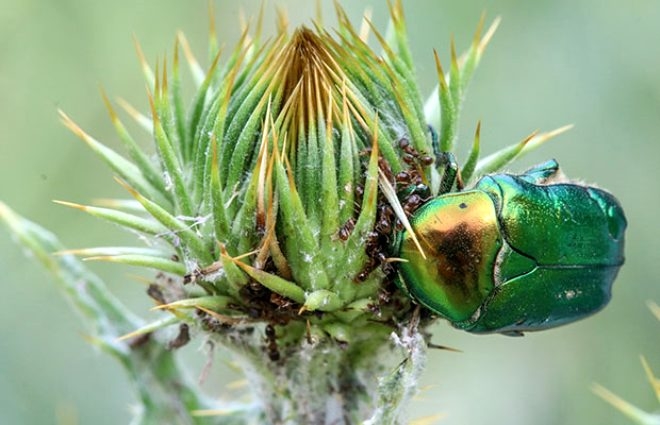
point(271, 343)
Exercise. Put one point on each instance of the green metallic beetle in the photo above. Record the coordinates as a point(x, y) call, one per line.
point(515, 253)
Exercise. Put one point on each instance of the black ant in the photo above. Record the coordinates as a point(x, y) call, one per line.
point(412, 193)
point(345, 231)
point(271, 343)
point(182, 338)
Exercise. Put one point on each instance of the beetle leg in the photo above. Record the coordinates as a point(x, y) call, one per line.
point(542, 173)
point(512, 333)
point(442, 160)
point(451, 173)
point(435, 143)
point(446, 160)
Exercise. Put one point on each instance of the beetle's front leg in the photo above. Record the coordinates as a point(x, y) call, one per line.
point(435, 144)
point(451, 173)
point(543, 173)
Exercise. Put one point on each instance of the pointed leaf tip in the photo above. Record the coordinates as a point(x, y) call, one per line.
point(628, 409)
point(195, 69)
point(476, 38)
point(489, 34)
point(441, 73)
point(126, 186)
point(108, 105)
point(70, 204)
point(653, 380)
point(72, 126)
point(655, 308)
point(146, 69)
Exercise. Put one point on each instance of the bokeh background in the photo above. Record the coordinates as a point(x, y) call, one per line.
point(594, 63)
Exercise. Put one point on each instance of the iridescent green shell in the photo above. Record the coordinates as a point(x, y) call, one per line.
point(515, 253)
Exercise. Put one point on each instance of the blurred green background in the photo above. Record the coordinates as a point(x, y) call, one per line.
point(594, 63)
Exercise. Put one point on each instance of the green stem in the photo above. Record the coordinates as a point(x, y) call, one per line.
point(164, 393)
point(327, 381)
